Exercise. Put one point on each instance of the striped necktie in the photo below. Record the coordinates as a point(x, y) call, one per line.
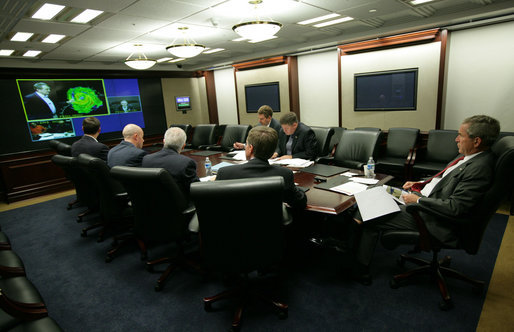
point(420, 185)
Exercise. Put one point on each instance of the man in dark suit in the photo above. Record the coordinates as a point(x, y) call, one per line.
point(454, 193)
point(181, 168)
point(129, 152)
point(296, 140)
point(260, 145)
point(124, 107)
point(265, 114)
point(38, 105)
point(89, 143)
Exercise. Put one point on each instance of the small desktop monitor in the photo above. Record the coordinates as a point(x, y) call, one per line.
point(183, 103)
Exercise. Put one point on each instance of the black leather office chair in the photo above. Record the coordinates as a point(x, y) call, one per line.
point(232, 134)
point(354, 149)
point(338, 132)
point(113, 198)
point(238, 236)
point(60, 147)
point(187, 128)
point(11, 264)
point(368, 128)
point(471, 229)
point(323, 136)
point(161, 213)
point(203, 136)
point(439, 151)
point(86, 192)
point(398, 151)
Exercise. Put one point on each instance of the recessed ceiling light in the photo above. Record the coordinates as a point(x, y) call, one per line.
point(53, 38)
point(261, 40)
point(339, 20)
point(86, 16)
point(419, 2)
point(177, 60)
point(372, 10)
point(47, 11)
point(21, 36)
point(214, 50)
point(239, 39)
point(6, 52)
point(320, 18)
point(163, 59)
point(31, 53)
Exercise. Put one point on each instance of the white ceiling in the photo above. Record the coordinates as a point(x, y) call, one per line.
point(105, 42)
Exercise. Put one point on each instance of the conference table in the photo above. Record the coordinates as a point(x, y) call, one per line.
point(318, 200)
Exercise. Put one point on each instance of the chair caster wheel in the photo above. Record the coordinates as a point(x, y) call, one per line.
point(400, 261)
point(236, 328)
point(149, 268)
point(108, 259)
point(394, 284)
point(283, 314)
point(83, 234)
point(144, 257)
point(79, 219)
point(69, 207)
point(158, 287)
point(446, 261)
point(446, 305)
point(207, 306)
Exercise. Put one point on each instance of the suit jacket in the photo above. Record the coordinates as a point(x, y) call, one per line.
point(125, 154)
point(87, 144)
point(273, 124)
point(256, 168)
point(181, 168)
point(457, 194)
point(36, 107)
point(304, 145)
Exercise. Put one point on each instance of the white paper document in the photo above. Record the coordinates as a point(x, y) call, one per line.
point(375, 202)
point(294, 162)
point(349, 174)
point(349, 188)
point(364, 180)
point(239, 155)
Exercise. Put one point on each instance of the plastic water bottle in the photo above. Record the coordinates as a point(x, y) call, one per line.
point(370, 167)
point(208, 165)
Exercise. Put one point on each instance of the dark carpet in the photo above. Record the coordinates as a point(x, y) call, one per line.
point(83, 293)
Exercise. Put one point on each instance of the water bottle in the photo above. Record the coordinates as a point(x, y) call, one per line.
point(370, 168)
point(208, 165)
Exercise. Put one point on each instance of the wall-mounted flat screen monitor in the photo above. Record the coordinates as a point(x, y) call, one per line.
point(183, 103)
point(394, 90)
point(262, 94)
point(55, 108)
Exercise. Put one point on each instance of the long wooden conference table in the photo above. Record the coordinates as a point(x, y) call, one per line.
point(318, 200)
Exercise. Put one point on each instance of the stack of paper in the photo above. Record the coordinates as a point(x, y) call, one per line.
point(374, 203)
point(294, 162)
point(349, 188)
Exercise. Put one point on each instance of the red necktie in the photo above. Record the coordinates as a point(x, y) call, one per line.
point(420, 185)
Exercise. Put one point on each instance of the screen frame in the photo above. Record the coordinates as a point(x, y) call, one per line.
point(266, 84)
point(415, 71)
point(183, 108)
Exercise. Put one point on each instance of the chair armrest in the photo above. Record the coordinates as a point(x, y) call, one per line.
point(204, 147)
point(24, 311)
point(325, 160)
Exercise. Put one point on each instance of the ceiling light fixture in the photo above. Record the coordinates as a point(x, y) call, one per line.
point(6, 52)
point(257, 29)
point(419, 2)
point(86, 16)
point(31, 53)
point(53, 38)
point(21, 36)
point(141, 62)
point(188, 49)
point(47, 11)
point(339, 20)
point(320, 18)
point(214, 50)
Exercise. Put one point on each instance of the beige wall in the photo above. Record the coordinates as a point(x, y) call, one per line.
point(193, 87)
point(262, 75)
point(424, 57)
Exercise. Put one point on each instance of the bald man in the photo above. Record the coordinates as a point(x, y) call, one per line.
point(129, 152)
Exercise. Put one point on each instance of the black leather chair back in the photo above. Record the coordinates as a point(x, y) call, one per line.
point(323, 136)
point(108, 188)
point(86, 191)
point(185, 127)
point(234, 133)
point(338, 131)
point(441, 146)
point(368, 128)
point(503, 183)
point(355, 147)
point(240, 222)
point(203, 135)
point(60, 147)
point(157, 203)
point(400, 141)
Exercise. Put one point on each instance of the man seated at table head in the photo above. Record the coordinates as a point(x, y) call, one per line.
point(296, 140)
point(260, 145)
point(89, 143)
point(265, 114)
point(181, 168)
point(454, 192)
point(129, 152)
